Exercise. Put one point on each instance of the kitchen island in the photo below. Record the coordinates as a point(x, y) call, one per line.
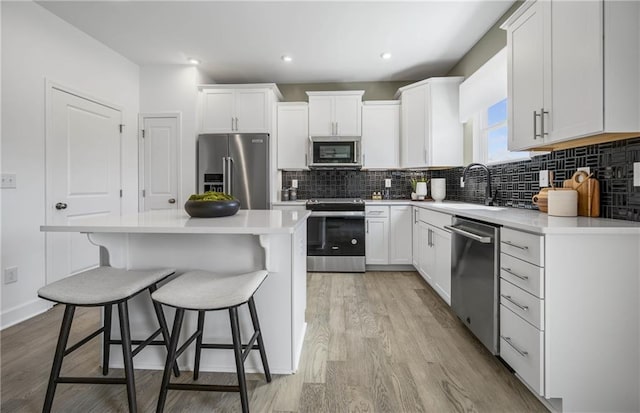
point(247, 241)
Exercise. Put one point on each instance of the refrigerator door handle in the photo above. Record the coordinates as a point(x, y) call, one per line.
point(224, 174)
point(229, 173)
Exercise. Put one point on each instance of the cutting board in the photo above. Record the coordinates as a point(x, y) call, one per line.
point(588, 194)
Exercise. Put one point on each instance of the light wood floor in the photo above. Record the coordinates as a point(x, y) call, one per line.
point(378, 342)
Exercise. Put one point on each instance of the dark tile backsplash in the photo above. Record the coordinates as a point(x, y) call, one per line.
point(516, 182)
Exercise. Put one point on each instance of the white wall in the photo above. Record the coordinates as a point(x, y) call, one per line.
point(173, 88)
point(36, 45)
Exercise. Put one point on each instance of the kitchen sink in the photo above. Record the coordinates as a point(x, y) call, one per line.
point(466, 206)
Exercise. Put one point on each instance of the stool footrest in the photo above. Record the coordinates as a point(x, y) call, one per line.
point(84, 341)
point(92, 380)
point(187, 343)
point(204, 387)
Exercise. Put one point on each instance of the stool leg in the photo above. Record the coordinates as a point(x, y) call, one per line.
point(196, 363)
point(125, 333)
point(106, 339)
point(256, 327)
point(63, 337)
point(162, 321)
point(171, 359)
point(237, 350)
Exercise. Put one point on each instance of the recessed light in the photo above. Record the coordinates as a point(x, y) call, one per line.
point(386, 55)
point(286, 58)
point(193, 61)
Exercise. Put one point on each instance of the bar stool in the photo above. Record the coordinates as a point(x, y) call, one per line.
point(205, 291)
point(104, 286)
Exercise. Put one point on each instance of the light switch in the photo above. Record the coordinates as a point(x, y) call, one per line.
point(9, 181)
point(387, 183)
point(544, 178)
point(294, 183)
point(585, 169)
point(636, 174)
point(461, 182)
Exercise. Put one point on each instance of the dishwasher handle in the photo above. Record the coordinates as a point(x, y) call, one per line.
point(468, 234)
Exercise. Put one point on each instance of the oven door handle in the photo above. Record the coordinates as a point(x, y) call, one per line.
point(476, 237)
point(338, 214)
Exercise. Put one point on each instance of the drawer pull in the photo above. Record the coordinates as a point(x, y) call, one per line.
point(522, 247)
point(522, 277)
point(520, 306)
point(375, 212)
point(521, 352)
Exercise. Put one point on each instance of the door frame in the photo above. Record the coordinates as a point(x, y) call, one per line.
point(50, 86)
point(141, 184)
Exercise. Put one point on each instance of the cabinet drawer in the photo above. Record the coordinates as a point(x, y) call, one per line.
point(522, 303)
point(436, 219)
point(527, 276)
point(521, 346)
point(376, 211)
point(528, 247)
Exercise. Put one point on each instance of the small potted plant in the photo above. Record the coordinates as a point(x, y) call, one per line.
point(419, 188)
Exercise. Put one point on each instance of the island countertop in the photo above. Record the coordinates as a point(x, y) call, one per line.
point(255, 222)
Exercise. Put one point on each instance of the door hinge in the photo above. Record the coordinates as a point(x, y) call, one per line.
point(143, 133)
point(121, 193)
point(121, 128)
point(144, 193)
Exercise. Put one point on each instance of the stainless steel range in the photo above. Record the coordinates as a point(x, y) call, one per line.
point(335, 235)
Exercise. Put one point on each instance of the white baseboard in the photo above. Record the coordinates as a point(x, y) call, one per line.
point(23, 312)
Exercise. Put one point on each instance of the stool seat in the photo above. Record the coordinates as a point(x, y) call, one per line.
point(204, 290)
point(101, 285)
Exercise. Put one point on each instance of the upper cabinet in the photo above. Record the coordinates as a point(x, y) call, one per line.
point(237, 108)
point(572, 72)
point(431, 132)
point(335, 113)
point(380, 134)
point(293, 135)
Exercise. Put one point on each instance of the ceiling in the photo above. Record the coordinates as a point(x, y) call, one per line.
point(329, 41)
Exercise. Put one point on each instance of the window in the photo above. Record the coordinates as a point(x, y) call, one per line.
point(490, 136)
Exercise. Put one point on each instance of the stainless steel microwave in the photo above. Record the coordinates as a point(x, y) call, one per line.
point(337, 152)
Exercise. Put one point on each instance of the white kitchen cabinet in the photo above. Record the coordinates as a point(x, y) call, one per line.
point(415, 238)
point(335, 113)
point(380, 134)
point(558, 91)
point(293, 135)
point(400, 243)
point(441, 244)
point(377, 235)
point(431, 132)
point(237, 108)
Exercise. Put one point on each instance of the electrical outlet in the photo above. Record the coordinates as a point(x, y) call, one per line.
point(294, 183)
point(387, 183)
point(461, 182)
point(636, 174)
point(585, 169)
point(544, 178)
point(10, 275)
point(8, 181)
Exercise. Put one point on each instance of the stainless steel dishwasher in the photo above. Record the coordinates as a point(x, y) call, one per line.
point(475, 278)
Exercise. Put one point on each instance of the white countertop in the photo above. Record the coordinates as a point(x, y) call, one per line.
point(255, 222)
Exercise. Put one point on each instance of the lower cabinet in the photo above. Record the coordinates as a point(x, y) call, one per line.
point(387, 240)
point(400, 250)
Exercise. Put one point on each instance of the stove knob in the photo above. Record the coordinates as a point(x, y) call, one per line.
point(354, 241)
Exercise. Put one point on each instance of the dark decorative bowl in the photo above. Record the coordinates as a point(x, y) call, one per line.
point(211, 209)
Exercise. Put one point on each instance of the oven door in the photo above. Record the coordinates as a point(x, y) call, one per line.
point(335, 234)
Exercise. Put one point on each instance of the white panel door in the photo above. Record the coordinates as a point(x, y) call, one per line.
point(83, 177)
point(217, 111)
point(400, 243)
point(251, 111)
point(293, 136)
point(160, 163)
point(414, 127)
point(442, 246)
point(347, 115)
point(321, 116)
point(377, 241)
point(380, 136)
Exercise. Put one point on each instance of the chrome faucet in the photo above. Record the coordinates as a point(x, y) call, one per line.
point(488, 198)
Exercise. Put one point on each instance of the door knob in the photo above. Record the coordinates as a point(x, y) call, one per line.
point(172, 200)
point(61, 205)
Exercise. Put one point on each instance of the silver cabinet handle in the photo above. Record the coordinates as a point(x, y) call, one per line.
point(520, 306)
point(522, 277)
point(375, 212)
point(225, 177)
point(237, 124)
point(172, 200)
point(306, 161)
point(367, 226)
point(232, 123)
point(542, 132)
point(521, 247)
point(429, 232)
point(415, 215)
point(337, 128)
point(535, 125)
point(364, 159)
point(521, 352)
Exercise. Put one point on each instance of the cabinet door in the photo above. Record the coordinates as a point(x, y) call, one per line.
point(575, 100)
point(293, 136)
point(377, 241)
point(217, 111)
point(400, 248)
point(415, 250)
point(347, 115)
point(442, 274)
point(380, 136)
point(525, 71)
point(414, 128)
point(321, 116)
point(427, 253)
point(251, 111)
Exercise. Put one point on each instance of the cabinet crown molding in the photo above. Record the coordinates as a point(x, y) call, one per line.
point(516, 14)
point(335, 93)
point(271, 86)
point(445, 79)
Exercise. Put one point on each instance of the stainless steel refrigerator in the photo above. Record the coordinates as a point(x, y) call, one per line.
point(237, 164)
